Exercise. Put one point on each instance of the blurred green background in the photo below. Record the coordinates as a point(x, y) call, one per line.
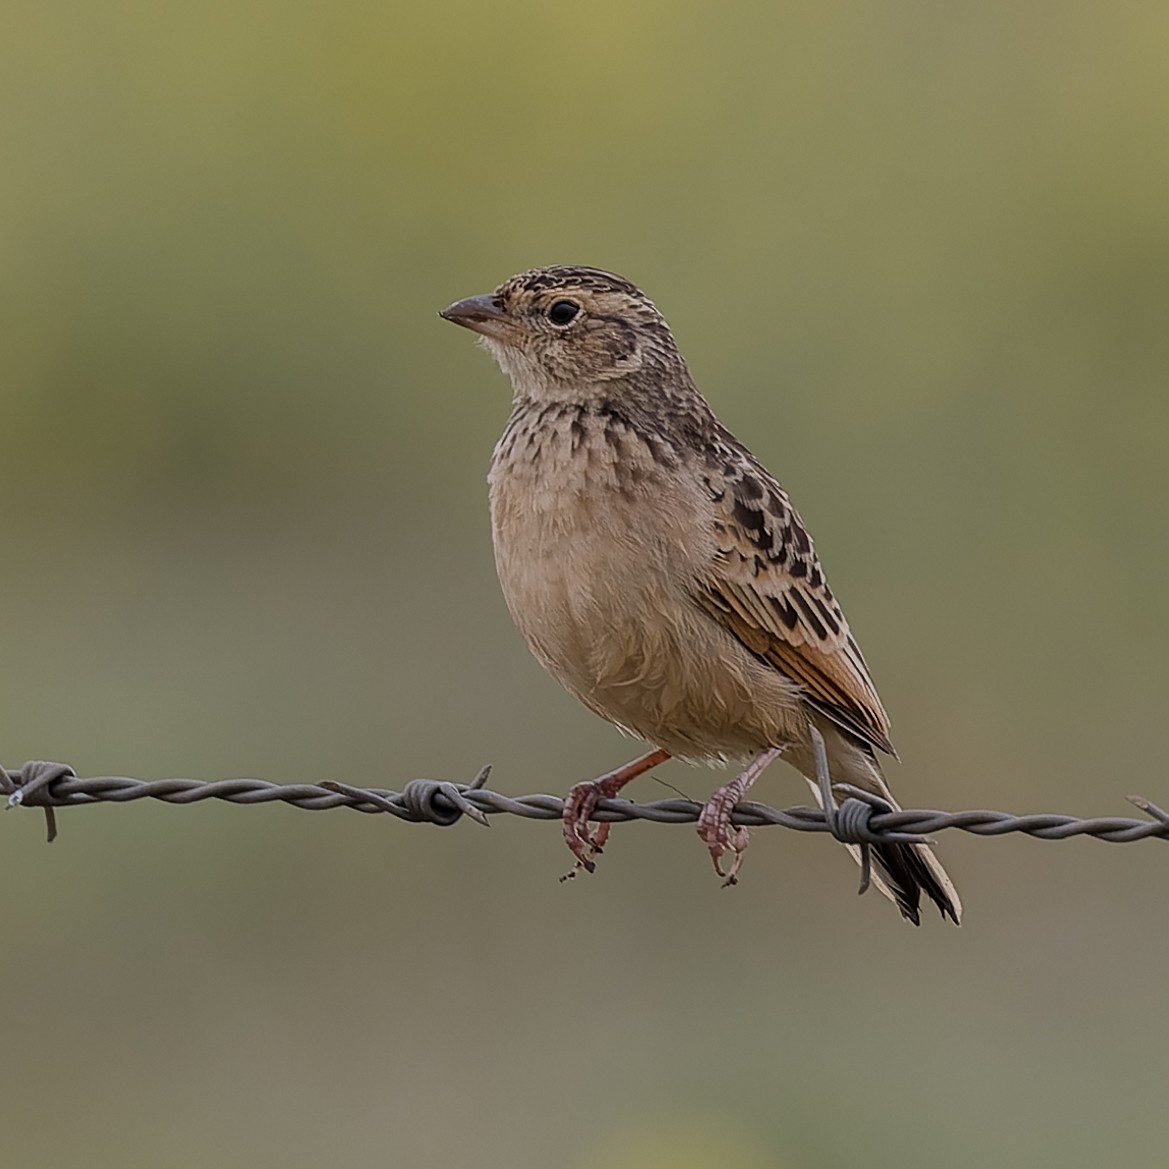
point(917, 256)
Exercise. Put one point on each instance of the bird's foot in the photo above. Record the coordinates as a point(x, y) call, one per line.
point(582, 801)
point(714, 821)
point(583, 843)
point(721, 836)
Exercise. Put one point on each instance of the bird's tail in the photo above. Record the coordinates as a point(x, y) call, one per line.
point(904, 871)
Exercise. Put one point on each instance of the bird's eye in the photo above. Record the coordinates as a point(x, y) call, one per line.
point(563, 312)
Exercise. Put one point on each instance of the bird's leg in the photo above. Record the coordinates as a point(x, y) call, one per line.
point(583, 798)
point(714, 821)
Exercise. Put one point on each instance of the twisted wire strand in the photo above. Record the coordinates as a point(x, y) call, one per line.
point(861, 819)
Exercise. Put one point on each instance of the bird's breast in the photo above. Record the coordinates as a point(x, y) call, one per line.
point(598, 542)
point(592, 529)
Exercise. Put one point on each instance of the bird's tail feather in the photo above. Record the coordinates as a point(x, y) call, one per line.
point(904, 871)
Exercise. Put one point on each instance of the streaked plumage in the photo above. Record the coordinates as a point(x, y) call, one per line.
point(656, 569)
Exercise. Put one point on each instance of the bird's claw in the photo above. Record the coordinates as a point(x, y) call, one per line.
point(721, 836)
point(581, 802)
point(584, 844)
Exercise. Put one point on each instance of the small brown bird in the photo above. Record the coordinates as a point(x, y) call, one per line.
point(661, 574)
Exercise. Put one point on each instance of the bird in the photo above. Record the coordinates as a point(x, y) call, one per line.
point(661, 574)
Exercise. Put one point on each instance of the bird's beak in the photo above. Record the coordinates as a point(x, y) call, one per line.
point(481, 314)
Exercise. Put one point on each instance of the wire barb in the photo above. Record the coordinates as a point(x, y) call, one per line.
point(34, 776)
point(861, 819)
point(431, 800)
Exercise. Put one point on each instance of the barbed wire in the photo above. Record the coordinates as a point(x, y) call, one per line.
point(861, 819)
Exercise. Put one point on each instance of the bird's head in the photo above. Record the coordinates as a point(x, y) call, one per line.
point(559, 332)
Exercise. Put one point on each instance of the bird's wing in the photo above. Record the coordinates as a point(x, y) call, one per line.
point(766, 586)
